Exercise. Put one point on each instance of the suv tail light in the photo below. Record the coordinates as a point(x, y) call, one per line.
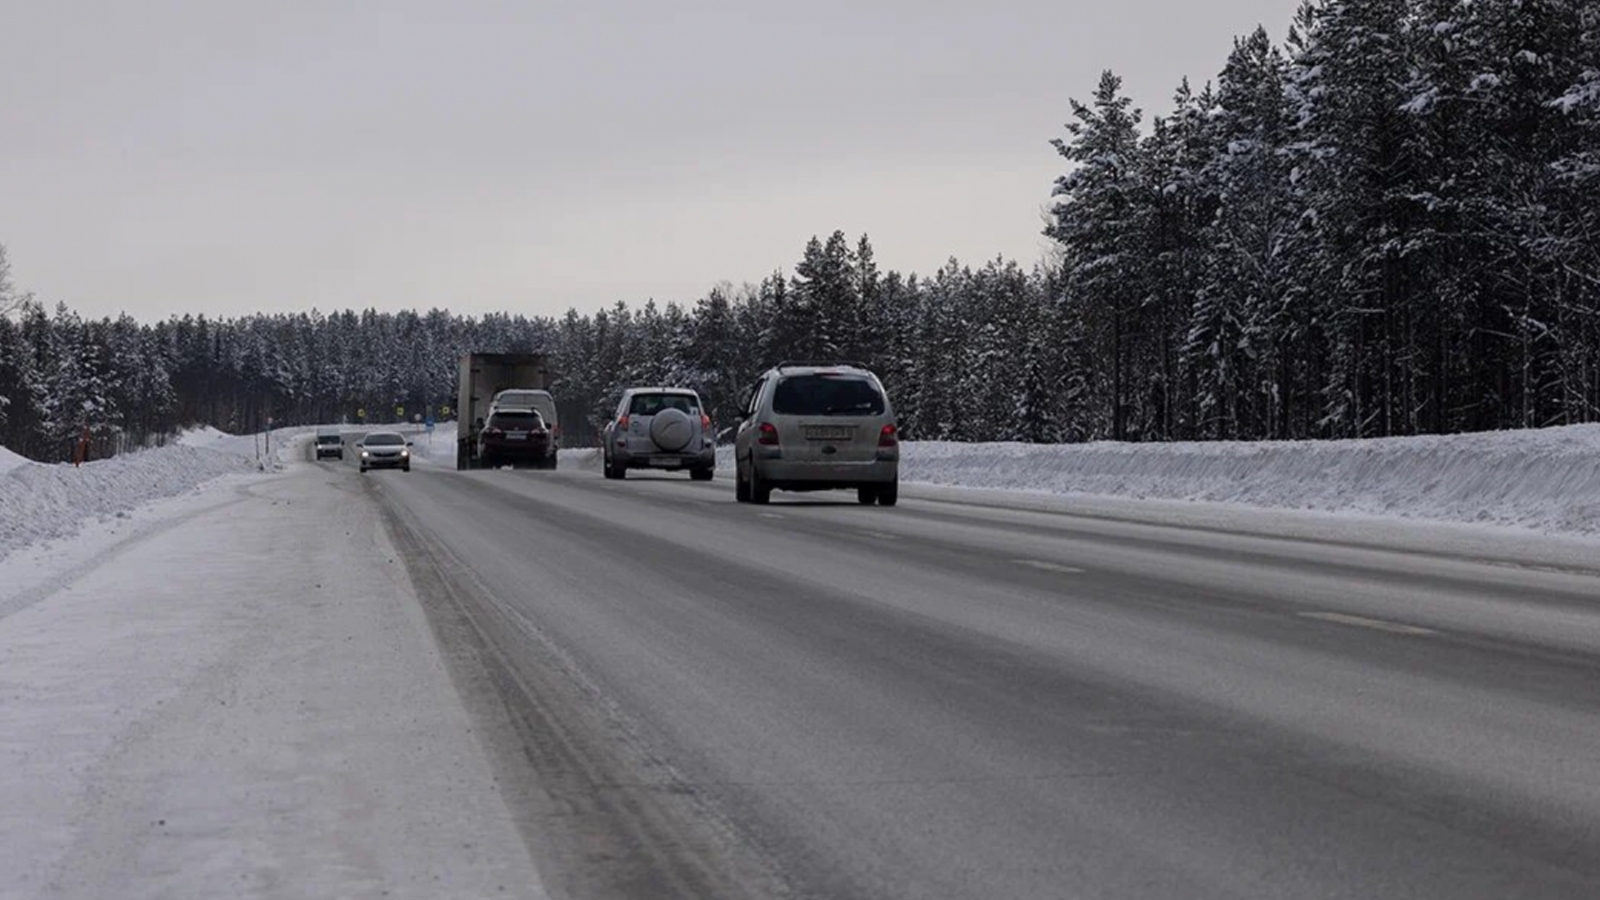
point(622, 423)
point(767, 434)
point(705, 422)
point(888, 437)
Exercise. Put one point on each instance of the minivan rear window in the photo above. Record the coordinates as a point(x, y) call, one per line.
point(329, 439)
point(827, 395)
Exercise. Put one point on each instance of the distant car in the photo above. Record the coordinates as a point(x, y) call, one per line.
point(329, 445)
point(814, 427)
point(516, 437)
point(385, 450)
point(659, 428)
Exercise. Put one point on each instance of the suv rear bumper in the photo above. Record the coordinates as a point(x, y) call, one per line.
point(706, 459)
point(788, 474)
point(517, 450)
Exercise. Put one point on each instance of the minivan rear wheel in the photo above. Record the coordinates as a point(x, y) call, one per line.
point(889, 494)
point(760, 491)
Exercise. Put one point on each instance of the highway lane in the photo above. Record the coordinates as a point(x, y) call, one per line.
point(691, 697)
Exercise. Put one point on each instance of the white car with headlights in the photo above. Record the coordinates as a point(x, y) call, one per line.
point(384, 450)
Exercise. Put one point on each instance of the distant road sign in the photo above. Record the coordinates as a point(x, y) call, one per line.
point(399, 412)
point(444, 410)
point(361, 413)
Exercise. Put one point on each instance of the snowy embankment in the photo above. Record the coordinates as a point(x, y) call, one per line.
point(40, 502)
point(1543, 479)
point(9, 460)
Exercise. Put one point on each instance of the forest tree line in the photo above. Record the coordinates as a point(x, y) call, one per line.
point(1389, 224)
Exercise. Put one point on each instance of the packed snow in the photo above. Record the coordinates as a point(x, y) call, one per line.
point(51, 502)
point(1545, 479)
point(241, 699)
point(9, 460)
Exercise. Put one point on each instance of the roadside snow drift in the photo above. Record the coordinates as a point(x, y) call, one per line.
point(9, 460)
point(1545, 479)
point(46, 502)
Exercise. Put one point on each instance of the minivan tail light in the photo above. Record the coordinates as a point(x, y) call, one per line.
point(767, 434)
point(888, 437)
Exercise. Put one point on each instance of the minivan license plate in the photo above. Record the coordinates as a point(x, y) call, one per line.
point(828, 432)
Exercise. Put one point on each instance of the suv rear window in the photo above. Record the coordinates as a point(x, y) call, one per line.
point(650, 404)
point(518, 420)
point(827, 395)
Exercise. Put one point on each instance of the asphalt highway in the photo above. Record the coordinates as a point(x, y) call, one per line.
point(688, 697)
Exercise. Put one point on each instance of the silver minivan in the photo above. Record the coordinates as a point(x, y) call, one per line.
point(816, 427)
point(659, 428)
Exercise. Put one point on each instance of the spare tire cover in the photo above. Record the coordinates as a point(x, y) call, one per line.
point(671, 430)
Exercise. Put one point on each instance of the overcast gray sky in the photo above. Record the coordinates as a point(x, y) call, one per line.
point(166, 157)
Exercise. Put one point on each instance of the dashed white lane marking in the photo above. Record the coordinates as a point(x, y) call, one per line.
point(1364, 622)
point(1048, 566)
point(880, 535)
point(769, 515)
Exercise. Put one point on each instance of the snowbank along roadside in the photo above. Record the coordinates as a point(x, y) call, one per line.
point(1547, 480)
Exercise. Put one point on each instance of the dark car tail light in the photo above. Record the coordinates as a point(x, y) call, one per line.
point(495, 432)
point(767, 434)
point(888, 437)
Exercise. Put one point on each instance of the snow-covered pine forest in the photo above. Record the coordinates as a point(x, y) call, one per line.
point(1389, 224)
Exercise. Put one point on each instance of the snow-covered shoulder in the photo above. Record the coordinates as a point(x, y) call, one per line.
point(44, 506)
point(1547, 480)
point(10, 460)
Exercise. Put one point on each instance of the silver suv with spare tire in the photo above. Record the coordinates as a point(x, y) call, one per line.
point(665, 429)
point(816, 427)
